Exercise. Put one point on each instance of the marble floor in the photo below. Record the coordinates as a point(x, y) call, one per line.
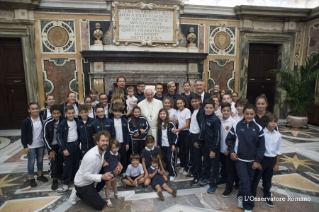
point(295, 186)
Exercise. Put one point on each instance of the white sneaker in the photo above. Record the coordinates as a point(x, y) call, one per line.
point(248, 211)
point(73, 197)
point(65, 187)
point(240, 204)
point(123, 174)
point(185, 173)
point(171, 178)
point(181, 170)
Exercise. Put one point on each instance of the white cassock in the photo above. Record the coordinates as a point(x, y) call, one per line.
point(150, 110)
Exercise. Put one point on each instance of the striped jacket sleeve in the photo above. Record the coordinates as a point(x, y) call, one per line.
point(46, 135)
point(231, 139)
point(131, 129)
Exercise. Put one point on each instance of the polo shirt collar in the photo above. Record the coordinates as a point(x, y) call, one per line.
point(267, 131)
point(113, 153)
point(149, 149)
point(154, 168)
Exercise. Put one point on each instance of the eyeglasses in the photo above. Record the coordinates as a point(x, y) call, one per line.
point(233, 96)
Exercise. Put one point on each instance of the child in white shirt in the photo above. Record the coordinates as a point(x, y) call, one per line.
point(131, 100)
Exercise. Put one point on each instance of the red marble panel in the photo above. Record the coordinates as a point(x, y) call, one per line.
point(201, 38)
point(85, 41)
point(221, 74)
point(313, 46)
point(60, 76)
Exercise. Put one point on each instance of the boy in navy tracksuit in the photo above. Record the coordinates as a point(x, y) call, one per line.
point(51, 143)
point(86, 130)
point(246, 145)
point(68, 141)
point(195, 140)
point(121, 134)
point(211, 127)
point(103, 123)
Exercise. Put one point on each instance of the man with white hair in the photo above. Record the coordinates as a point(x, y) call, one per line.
point(150, 108)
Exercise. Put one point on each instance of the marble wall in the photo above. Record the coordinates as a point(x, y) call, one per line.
point(60, 77)
point(222, 73)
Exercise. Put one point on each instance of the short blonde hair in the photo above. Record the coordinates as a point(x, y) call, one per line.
point(169, 84)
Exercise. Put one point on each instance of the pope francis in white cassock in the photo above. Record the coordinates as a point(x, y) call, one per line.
point(150, 108)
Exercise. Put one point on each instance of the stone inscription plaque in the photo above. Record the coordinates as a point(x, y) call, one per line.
point(156, 25)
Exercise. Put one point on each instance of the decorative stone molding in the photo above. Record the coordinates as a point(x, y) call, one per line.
point(7, 14)
point(222, 40)
point(267, 25)
point(297, 43)
point(313, 40)
point(57, 36)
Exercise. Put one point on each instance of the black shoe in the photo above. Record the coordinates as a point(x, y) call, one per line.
point(144, 186)
point(195, 181)
point(60, 178)
point(190, 175)
point(55, 183)
point(269, 202)
point(33, 183)
point(42, 178)
point(226, 193)
point(237, 186)
point(221, 182)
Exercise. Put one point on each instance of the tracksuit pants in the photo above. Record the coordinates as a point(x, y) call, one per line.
point(246, 174)
point(232, 175)
point(266, 174)
point(71, 162)
point(184, 149)
point(211, 167)
point(195, 155)
point(56, 165)
point(169, 160)
point(223, 170)
point(90, 196)
point(123, 160)
point(85, 147)
point(137, 146)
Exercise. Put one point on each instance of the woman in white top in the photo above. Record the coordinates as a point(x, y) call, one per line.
point(88, 103)
point(45, 111)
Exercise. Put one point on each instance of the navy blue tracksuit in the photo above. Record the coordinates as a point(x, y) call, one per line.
point(56, 165)
point(104, 124)
point(140, 97)
point(86, 131)
point(71, 162)
point(138, 143)
point(168, 155)
point(248, 142)
point(211, 144)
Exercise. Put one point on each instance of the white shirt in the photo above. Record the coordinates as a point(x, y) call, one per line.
point(233, 104)
point(90, 168)
point(272, 143)
point(182, 116)
point(218, 113)
point(224, 130)
point(72, 134)
point(130, 100)
point(164, 136)
point(37, 138)
point(202, 96)
point(76, 111)
point(172, 113)
point(91, 114)
point(118, 129)
point(106, 112)
point(194, 128)
point(134, 171)
point(237, 118)
point(48, 113)
point(95, 102)
point(54, 141)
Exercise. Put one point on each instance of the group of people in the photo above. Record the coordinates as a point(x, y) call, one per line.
point(141, 134)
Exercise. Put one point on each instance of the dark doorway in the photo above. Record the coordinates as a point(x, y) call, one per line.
point(262, 59)
point(12, 84)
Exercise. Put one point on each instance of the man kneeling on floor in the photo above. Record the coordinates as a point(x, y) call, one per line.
point(88, 173)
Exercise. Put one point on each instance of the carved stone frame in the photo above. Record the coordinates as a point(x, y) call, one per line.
point(139, 6)
point(26, 33)
point(285, 54)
